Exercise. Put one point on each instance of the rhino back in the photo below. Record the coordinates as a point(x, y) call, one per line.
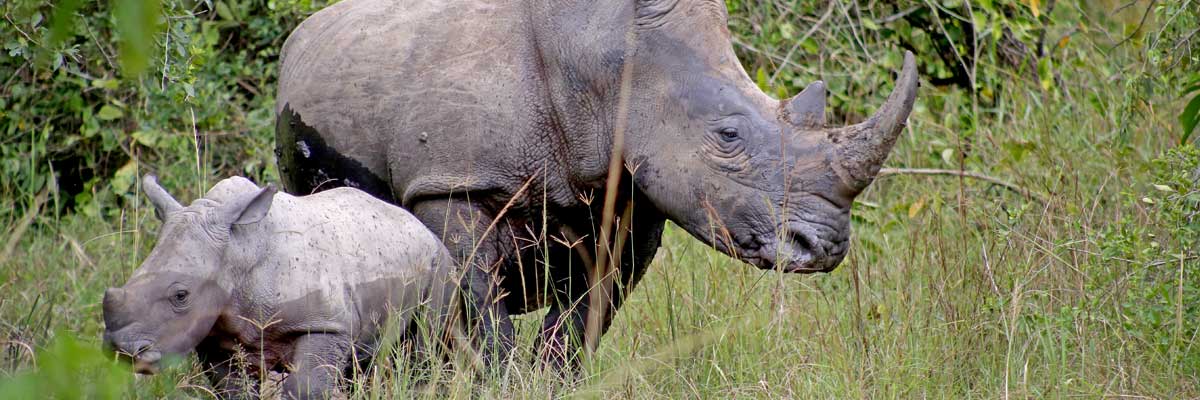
point(342, 261)
point(412, 99)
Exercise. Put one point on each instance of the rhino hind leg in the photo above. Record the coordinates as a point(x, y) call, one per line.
point(308, 164)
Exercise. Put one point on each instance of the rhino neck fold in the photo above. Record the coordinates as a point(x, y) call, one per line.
point(579, 51)
point(246, 249)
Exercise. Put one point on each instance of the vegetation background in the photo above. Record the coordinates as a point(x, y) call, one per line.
point(1085, 285)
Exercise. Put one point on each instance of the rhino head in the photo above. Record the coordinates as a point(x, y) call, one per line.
point(174, 298)
point(762, 180)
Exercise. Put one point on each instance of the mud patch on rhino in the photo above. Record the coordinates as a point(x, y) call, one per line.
point(307, 164)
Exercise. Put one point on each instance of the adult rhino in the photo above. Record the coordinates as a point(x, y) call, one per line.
point(495, 123)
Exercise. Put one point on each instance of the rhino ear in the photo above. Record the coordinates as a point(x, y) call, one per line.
point(163, 202)
point(248, 208)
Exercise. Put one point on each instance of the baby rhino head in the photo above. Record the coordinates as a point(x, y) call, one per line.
point(173, 299)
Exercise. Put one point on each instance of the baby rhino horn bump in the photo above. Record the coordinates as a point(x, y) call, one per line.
point(807, 109)
point(163, 202)
point(862, 148)
point(113, 298)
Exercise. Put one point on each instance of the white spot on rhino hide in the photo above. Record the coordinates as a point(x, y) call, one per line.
point(303, 147)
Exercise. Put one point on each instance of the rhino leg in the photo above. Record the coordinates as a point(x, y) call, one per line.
point(461, 226)
point(562, 334)
point(229, 381)
point(317, 365)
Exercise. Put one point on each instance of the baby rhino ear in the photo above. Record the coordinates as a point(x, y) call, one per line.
point(248, 208)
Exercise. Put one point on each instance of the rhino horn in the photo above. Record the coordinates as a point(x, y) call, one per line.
point(163, 202)
point(807, 109)
point(862, 148)
point(113, 298)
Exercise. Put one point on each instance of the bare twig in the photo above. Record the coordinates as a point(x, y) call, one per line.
point(1139, 27)
point(107, 58)
point(18, 28)
point(247, 86)
point(897, 16)
point(963, 174)
point(1122, 7)
point(1186, 38)
point(80, 253)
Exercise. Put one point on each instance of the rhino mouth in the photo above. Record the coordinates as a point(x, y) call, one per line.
point(142, 354)
point(795, 250)
point(147, 362)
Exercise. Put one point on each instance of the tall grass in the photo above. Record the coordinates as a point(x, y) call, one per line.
point(953, 287)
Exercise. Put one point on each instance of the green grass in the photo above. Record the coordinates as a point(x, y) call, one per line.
point(953, 288)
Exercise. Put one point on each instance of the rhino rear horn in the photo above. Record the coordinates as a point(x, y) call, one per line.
point(163, 202)
point(807, 109)
point(862, 148)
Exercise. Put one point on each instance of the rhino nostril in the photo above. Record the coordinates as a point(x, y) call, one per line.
point(800, 241)
point(133, 348)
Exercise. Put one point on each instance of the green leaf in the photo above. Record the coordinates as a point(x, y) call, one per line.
point(124, 178)
point(137, 26)
point(146, 138)
point(110, 84)
point(787, 31)
point(109, 112)
point(63, 20)
point(1193, 88)
point(1189, 118)
point(1044, 67)
point(224, 12)
point(948, 156)
point(870, 24)
point(810, 45)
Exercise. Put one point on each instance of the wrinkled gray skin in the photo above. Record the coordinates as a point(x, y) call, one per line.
point(450, 107)
point(323, 273)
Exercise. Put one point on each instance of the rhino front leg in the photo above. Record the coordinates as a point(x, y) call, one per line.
point(461, 226)
point(229, 381)
point(317, 363)
point(564, 328)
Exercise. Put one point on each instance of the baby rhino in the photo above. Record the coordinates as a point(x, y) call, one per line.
point(298, 283)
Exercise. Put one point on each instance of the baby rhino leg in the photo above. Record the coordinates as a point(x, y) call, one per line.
point(229, 380)
point(317, 363)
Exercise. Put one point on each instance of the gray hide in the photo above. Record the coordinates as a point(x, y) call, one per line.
point(296, 282)
point(466, 111)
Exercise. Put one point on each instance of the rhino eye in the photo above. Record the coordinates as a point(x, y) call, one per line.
point(179, 298)
point(729, 134)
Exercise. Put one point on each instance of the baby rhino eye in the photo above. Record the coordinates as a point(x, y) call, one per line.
point(729, 134)
point(179, 298)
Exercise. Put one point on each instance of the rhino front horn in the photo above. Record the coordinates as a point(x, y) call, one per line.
point(862, 148)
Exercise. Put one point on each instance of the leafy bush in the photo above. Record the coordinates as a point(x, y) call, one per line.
point(88, 107)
